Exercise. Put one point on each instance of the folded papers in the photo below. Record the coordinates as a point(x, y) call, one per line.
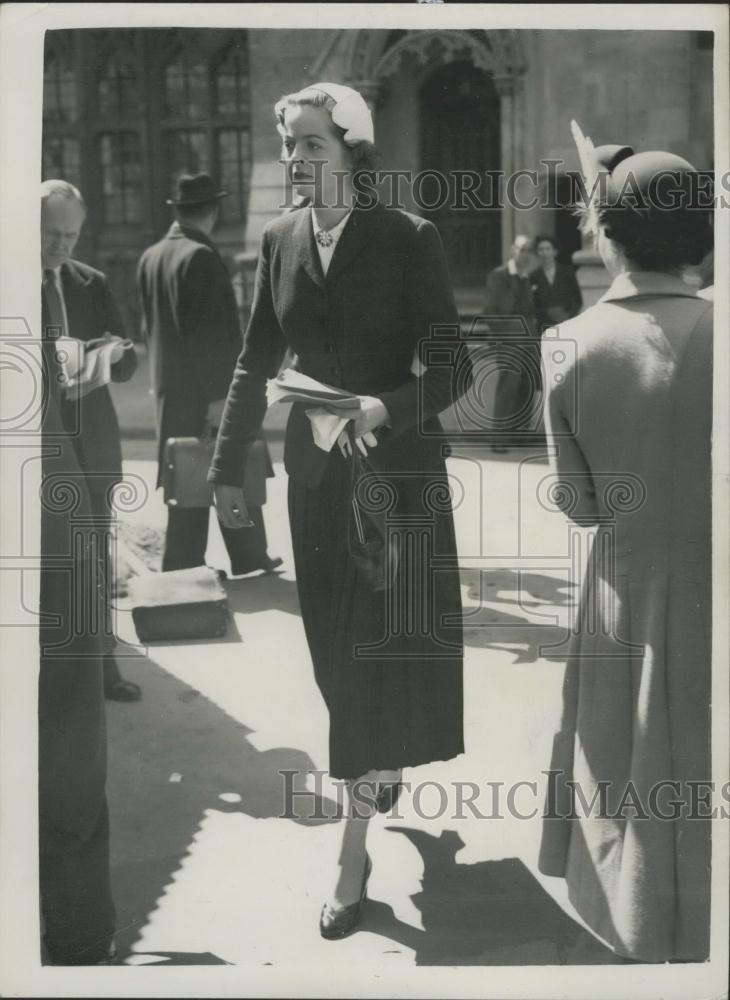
point(87, 364)
point(291, 386)
point(331, 408)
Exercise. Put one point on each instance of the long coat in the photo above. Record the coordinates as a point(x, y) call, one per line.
point(557, 301)
point(631, 421)
point(510, 308)
point(509, 295)
point(393, 689)
point(191, 326)
point(76, 901)
point(92, 421)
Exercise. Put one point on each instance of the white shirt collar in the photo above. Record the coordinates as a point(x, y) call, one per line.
point(336, 231)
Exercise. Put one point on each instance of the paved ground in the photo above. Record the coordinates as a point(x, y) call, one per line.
point(206, 871)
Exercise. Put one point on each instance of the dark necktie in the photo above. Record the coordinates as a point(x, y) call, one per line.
point(54, 304)
point(53, 327)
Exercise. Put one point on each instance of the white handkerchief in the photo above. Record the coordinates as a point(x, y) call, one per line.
point(417, 367)
point(326, 427)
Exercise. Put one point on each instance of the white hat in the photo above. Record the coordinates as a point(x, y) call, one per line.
point(348, 110)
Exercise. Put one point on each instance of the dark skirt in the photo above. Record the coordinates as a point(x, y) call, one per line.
point(389, 664)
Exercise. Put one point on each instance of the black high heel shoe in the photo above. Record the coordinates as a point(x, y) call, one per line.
point(388, 796)
point(335, 923)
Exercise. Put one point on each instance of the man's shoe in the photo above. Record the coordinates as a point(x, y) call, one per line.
point(338, 922)
point(271, 564)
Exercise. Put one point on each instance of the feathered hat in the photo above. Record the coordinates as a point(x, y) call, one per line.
point(646, 182)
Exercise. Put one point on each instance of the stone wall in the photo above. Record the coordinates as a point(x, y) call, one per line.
point(649, 89)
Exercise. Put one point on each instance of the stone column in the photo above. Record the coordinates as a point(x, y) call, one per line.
point(505, 86)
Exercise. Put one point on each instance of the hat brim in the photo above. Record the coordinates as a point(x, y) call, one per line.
point(196, 201)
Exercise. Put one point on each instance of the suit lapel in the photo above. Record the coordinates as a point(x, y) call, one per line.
point(358, 232)
point(304, 249)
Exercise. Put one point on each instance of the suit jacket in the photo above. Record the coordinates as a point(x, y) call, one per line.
point(386, 291)
point(509, 295)
point(92, 421)
point(559, 301)
point(191, 325)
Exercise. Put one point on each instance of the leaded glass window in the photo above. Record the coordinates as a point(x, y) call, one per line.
point(121, 177)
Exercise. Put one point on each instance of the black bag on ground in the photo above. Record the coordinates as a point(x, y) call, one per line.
point(182, 604)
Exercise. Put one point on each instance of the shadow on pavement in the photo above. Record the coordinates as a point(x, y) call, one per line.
point(177, 958)
point(489, 913)
point(488, 627)
point(171, 758)
point(264, 592)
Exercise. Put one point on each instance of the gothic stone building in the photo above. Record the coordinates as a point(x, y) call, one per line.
point(127, 110)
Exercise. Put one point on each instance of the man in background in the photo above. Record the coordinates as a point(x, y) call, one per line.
point(510, 312)
point(79, 307)
point(191, 325)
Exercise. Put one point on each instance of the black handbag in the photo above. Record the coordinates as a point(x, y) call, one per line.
point(373, 549)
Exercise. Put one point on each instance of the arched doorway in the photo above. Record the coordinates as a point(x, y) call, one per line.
point(460, 130)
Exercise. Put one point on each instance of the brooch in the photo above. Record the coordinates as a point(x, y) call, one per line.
point(324, 238)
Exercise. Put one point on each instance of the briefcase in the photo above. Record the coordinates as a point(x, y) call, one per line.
point(186, 461)
point(182, 604)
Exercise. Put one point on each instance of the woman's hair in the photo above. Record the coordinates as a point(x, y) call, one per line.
point(655, 239)
point(364, 156)
point(546, 238)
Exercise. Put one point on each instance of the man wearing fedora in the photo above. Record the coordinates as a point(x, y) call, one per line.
point(191, 326)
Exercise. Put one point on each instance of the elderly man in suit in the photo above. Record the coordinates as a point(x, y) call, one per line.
point(78, 304)
point(510, 311)
point(191, 325)
point(77, 910)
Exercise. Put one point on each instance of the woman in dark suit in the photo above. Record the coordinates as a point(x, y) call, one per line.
point(353, 289)
point(555, 289)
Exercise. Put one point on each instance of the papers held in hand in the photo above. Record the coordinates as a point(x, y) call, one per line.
point(87, 364)
point(331, 408)
point(291, 386)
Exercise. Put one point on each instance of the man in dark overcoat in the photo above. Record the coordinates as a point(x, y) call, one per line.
point(192, 328)
point(510, 312)
point(78, 303)
point(77, 910)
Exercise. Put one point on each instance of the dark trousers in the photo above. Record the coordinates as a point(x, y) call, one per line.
point(103, 521)
point(518, 395)
point(187, 539)
point(76, 902)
